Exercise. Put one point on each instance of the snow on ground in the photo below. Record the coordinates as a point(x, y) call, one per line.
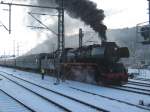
point(9, 105)
point(28, 98)
point(138, 87)
point(64, 88)
point(70, 104)
point(140, 73)
point(140, 81)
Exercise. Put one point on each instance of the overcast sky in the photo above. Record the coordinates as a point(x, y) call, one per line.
point(124, 13)
point(119, 14)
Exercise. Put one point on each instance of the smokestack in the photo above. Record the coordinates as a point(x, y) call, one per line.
point(80, 37)
point(87, 11)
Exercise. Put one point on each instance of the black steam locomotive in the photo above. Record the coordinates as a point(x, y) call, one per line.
point(93, 64)
point(96, 63)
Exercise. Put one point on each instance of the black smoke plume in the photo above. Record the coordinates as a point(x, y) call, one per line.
point(87, 11)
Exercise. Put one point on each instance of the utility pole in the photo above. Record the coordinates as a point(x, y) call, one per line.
point(149, 10)
point(18, 49)
point(61, 40)
point(4, 53)
point(14, 48)
point(149, 17)
point(9, 19)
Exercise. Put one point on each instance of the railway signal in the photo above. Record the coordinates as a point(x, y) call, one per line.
point(144, 29)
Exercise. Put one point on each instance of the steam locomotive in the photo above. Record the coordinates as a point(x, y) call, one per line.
point(92, 64)
point(96, 63)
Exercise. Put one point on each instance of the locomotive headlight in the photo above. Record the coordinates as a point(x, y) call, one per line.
point(115, 48)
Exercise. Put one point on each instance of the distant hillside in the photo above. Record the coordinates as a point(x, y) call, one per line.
point(123, 37)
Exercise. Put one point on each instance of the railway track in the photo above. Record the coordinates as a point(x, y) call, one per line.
point(139, 84)
point(91, 93)
point(42, 97)
point(138, 106)
point(84, 104)
point(142, 79)
point(132, 89)
point(130, 86)
point(19, 102)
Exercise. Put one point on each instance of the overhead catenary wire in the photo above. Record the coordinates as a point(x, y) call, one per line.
point(26, 5)
point(30, 13)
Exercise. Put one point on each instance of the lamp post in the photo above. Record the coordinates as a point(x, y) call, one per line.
point(61, 41)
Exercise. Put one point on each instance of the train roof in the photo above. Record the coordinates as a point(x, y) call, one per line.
point(41, 55)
